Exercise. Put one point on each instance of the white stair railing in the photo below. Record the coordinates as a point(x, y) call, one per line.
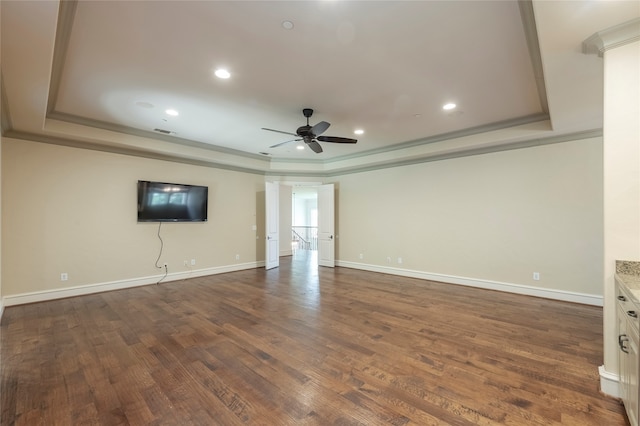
point(304, 237)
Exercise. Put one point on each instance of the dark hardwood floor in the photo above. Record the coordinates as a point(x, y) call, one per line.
point(302, 346)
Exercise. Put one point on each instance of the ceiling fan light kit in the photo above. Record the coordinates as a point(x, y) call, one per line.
point(310, 134)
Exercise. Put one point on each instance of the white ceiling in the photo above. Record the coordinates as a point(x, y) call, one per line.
point(101, 74)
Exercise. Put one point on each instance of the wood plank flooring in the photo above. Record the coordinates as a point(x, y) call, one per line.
point(302, 346)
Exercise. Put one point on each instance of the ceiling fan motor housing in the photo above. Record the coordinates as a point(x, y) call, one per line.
point(305, 131)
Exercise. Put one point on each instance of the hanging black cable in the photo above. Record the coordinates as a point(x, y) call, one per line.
point(166, 269)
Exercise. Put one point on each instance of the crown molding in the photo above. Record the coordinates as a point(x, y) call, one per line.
point(610, 38)
point(505, 124)
point(531, 34)
point(470, 131)
point(33, 137)
point(66, 16)
point(81, 121)
point(529, 143)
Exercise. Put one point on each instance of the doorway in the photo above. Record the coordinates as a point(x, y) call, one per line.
point(304, 224)
point(305, 221)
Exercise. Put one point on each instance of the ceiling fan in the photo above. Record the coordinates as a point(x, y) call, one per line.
point(309, 134)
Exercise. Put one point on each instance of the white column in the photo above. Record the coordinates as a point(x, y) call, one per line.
point(620, 48)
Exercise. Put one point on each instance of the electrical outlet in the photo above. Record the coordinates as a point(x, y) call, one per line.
point(536, 276)
point(388, 259)
point(64, 276)
point(193, 262)
point(361, 256)
point(399, 260)
point(186, 263)
point(165, 264)
point(237, 257)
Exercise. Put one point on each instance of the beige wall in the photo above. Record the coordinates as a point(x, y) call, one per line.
point(72, 210)
point(496, 217)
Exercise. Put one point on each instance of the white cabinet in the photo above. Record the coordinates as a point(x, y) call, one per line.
point(628, 336)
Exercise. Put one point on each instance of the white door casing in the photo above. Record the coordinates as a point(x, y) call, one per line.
point(272, 200)
point(326, 225)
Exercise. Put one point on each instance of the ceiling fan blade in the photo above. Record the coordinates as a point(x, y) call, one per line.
point(315, 146)
point(336, 139)
point(320, 128)
point(285, 142)
point(279, 131)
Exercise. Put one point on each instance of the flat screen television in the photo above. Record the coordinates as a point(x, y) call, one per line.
point(171, 202)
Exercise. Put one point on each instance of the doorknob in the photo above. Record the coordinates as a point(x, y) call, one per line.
point(331, 237)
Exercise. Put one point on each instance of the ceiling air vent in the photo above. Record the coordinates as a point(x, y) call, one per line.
point(166, 132)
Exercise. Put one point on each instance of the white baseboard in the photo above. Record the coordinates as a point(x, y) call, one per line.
point(586, 299)
point(41, 296)
point(609, 383)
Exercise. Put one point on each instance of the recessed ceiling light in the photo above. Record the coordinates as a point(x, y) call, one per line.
point(287, 25)
point(448, 106)
point(172, 112)
point(358, 131)
point(222, 73)
point(300, 147)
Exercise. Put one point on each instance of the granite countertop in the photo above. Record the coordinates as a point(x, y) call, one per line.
point(628, 274)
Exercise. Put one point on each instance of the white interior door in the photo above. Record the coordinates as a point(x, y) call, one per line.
point(272, 200)
point(326, 224)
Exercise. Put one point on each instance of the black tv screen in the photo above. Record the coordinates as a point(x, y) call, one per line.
point(171, 202)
